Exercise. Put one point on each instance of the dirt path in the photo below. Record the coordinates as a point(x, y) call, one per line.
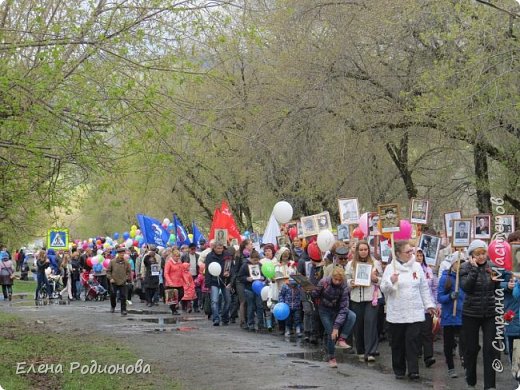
point(201, 356)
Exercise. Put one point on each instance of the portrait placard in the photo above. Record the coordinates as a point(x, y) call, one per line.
point(363, 273)
point(461, 233)
point(348, 211)
point(419, 211)
point(389, 215)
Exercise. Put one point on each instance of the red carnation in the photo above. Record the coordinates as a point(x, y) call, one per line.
point(509, 315)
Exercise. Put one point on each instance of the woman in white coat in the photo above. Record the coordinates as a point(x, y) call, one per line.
point(407, 296)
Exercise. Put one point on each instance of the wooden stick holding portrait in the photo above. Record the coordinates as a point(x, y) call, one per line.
point(457, 281)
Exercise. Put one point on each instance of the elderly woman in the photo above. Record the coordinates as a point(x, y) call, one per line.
point(332, 293)
point(408, 296)
point(478, 281)
point(6, 275)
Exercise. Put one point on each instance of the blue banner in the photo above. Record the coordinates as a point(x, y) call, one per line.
point(152, 231)
point(180, 231)
point(197, 235)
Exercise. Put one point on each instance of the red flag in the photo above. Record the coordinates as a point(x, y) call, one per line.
point(229, 222)
point(214, 222)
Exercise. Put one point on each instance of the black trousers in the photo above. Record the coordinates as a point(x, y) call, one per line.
point(122, 296)
point(426, 338)
point(470, 329)
point(449, 333)
point(405, 347)
point(365, 330)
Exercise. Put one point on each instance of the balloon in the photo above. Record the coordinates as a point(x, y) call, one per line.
point(98, 242)
point(126, 235)
point(134, 228)
point(281, 311)
point(247, 234)
point(106, 262)
point(283, 212)
point(268, 270)
point(190, 236)
point(170, 227)
point(89, 262)
point(257, 287)
point(293, 232)
point(135, 243)
point(99, 251)
point(314, 251)
point(132, 233)
point(85, 246)
point(405, 230)
point(166, 222)
point(98, 268)
point(358, 233)
point(325, 240)
point(363, 224)
point(116, 236)
point(129, 242)
point(138, 232)
point(265, 293)
point(214, 269)
point(500, 253)
point(172, 239)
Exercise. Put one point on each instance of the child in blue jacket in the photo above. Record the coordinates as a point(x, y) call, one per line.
point(451, 324)
point(292, 294)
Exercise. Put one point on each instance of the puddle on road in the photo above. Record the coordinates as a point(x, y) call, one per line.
point(320, 356)
point(302, 387)
point(244, 352)
point(147, 312)
point(160, 320)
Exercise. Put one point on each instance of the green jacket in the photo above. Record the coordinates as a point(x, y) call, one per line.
point(119, 270)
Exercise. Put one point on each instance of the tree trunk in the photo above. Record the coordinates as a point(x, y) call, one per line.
point(482, 178)
point(399, 155)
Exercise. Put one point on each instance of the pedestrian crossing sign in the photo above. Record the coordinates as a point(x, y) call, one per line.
point(58, 239)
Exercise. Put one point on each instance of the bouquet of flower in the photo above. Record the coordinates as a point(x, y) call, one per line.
point(509, 315)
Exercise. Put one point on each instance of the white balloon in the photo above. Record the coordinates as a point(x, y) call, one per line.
point(325, 240)
point(99, 251)
point(265, 293)
point(214, 269)
point(166, 221)
point(283, 212)
point(129, 243)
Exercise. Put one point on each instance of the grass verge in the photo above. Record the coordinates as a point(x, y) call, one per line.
point(24, 286)
point(37, 345)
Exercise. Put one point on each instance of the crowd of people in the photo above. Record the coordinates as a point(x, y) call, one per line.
point(328, 298)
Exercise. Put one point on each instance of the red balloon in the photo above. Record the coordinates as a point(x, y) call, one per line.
point(89, 261)
point(500, 253)
point(293, 232)
point(314, 251)
point(358, 233)
point(98, 242)
point(136, 243)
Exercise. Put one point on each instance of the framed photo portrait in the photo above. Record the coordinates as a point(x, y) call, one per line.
point(515, 254)
point(430, 246)
point(254, 271)
point(299, 228)
point(385, 250)
point(233, 242)
point(309, 226)
point(221, 236)
point(373, 224)
point(362, 276)
point(482, 226)
point(461, 233)
point(448, 222)
point(389, 215)
point(507, 222)
point(343, 232)
point(323, 221)
point(348, 211)
point(419, 211)
point(281, 241)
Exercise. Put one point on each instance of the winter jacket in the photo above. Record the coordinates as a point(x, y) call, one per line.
point(292, 296)
point(119, 270)
point(173, 273)
point(185, 258)
point(243, 274)
point(151, 262)
point(189, 285)
point(333, 297)
point(41, 265)
point(511, 302)
point(444, 298)
point(479, 288)
point(410, 296)
point(361, 293)
point(211, 280)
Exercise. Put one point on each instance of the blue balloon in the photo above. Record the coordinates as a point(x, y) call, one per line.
point(247, 234)
point(171, 226)
point(116, 235)
point(257, 287)
point(281, 311)
point(126, 236)
point(98, 267)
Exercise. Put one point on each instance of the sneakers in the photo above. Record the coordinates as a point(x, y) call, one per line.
point(333, 363)
point(452, 373)
point(287, 333)
point(371, 359)
point(112, 309)
point(361, 357)
point(342, 344)
point(413, 376)
point(298, 332)
point(124, 313)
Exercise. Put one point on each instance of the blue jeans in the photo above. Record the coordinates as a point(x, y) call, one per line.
point(215, 304)
point(327, 317)
point(42, 280)
point(254, 304)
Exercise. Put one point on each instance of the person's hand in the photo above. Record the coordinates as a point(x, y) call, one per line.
point(394, 278)
point(432, 311)
point(473, 262)
point(112, 281)
point(226, 274)
point(334, 334)
point(249, 279)
point(454, 295)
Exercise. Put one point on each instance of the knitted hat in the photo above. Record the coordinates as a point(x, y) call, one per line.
point(475, 244)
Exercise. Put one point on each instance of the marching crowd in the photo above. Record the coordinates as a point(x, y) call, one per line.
point(400, 300)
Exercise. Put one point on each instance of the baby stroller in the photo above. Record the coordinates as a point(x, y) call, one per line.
point(94, 291)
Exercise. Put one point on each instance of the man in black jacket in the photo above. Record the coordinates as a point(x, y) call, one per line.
point(217, 285)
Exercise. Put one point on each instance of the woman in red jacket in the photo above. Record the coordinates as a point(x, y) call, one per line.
point(173, 280)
